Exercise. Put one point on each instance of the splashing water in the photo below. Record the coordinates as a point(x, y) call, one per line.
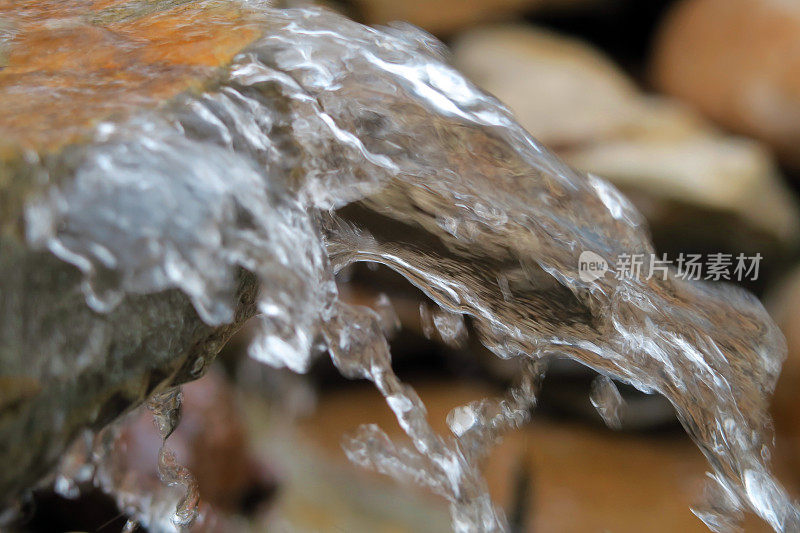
point(450, 326)
point(166, 409)
point(330, 143)
point(605, 397)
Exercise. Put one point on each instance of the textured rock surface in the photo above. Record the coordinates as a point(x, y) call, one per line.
point(66, 367)
point(67, 66)
point(737, 61)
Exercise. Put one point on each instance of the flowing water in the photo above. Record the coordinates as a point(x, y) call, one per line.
point(166, 409)
point(330, 143)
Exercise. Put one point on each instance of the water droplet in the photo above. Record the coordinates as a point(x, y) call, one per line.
point(605, 397)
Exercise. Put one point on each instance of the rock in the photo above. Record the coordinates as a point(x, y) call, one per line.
point(67, 66)
point(444, 17)
point(673, 165)
point(68, 367)
point(738, 62)
point(562, 91)
point(133, 55)
point(739, 178)
point(178, 199)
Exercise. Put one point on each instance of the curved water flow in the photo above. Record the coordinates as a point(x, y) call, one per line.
point(330, 143)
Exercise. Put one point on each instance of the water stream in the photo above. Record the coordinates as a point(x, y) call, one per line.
point(330, 143)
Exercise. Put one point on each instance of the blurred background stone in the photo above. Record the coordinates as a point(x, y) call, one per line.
point(575, 478)
point(444, 17)
point(738, 62)
point(562, 90)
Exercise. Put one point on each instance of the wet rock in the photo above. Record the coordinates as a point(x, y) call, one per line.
point(737, 62)
point(68, 367)
point(689, 180)
point(66, 67)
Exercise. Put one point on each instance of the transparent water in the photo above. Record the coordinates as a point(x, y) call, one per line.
point(331, 143)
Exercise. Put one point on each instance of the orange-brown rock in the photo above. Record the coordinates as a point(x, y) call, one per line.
point(67, 65)
point(70, 64)
point(738, 61)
